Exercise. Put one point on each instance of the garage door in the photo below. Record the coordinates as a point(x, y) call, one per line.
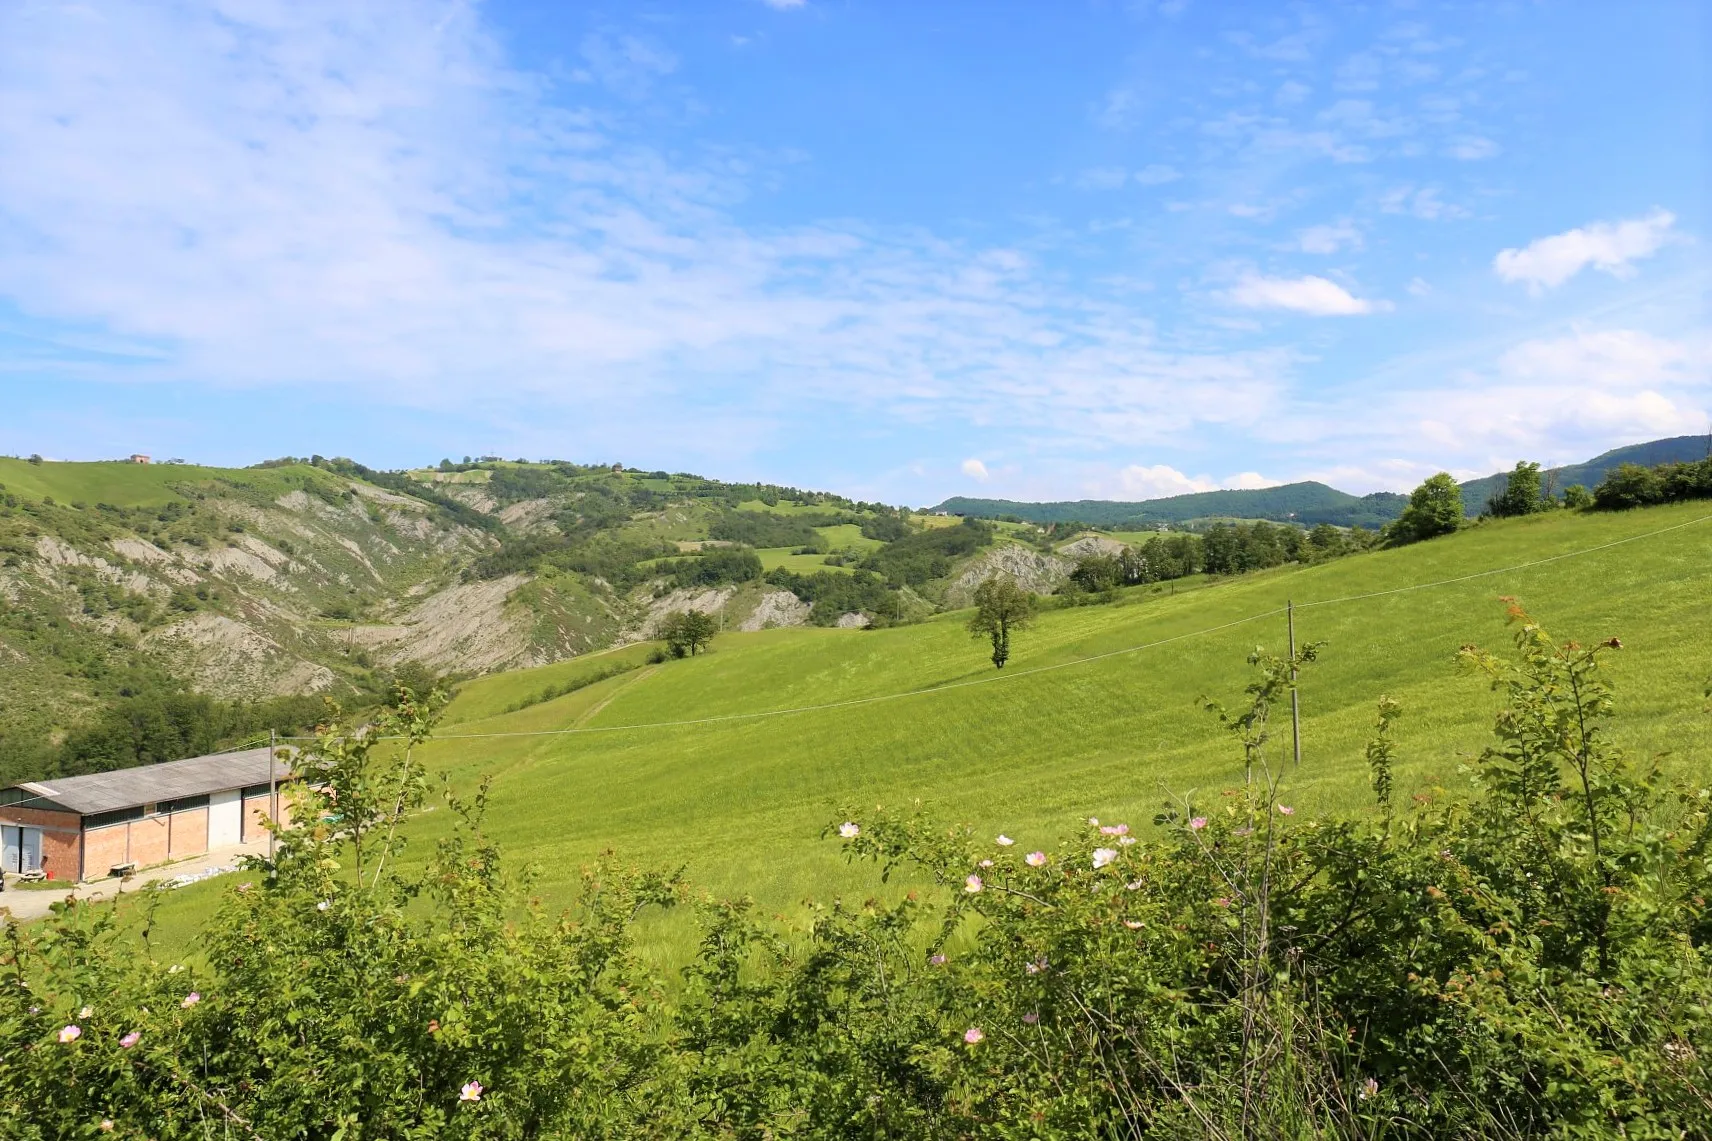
point(225, 819)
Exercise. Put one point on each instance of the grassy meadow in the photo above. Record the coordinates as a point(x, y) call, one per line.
point(667, 766)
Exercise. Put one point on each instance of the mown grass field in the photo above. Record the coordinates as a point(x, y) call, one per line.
point(665, 771)
point(123, 484)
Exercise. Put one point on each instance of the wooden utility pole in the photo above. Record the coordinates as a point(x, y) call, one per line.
point(1295, 697)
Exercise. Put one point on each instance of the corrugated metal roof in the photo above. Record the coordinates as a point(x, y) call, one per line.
point(147, 784)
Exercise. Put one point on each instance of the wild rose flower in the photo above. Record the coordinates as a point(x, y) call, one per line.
point(1198, 823)
point(1222, 901)
point(936, 960)
point(1286, 810)
point(1004, 841)
point(1093, 821)
point(191, 1000)
point(1125, 841)
point(130, 1040)
point(1368, 1089)
point(70, 1033)
point(86, 1012)
point(1031, 1018)
point(849, 830)
point(986, 863)
point(1104, 856)
point(1115, 830)
point(1133, 885)
point(472, 1091)
point(1035, 859)
point(973, 884)
point(1134, 924)
point(973, 1035)
point(323, 905)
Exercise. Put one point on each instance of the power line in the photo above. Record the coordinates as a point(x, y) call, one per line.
point(991, 679)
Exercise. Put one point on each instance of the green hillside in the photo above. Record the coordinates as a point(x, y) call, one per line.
point(692, 763)
point(1307, 503)
point(1677, 449)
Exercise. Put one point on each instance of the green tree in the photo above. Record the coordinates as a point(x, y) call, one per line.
point(1577, 495)
point(1521, 494)
point(688, 632)
point(1435, 508)
point(1001, 606)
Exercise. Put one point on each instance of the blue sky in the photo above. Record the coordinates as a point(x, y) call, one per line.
point(899, 250)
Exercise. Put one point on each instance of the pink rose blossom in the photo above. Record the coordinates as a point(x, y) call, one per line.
point(1035, 859)
point(472, 1091)
point(1031, 1018)
point(1104, 856)
point(986, 863)
point(936, 960)
point(191, 1000)
point(1125, 841)
point(972, 884)
point(1198, 823)
point(130, 1039)
point(1286, 810)
point(1115, 830)
point(973, 1035)
point(70, 1033)
point(1134, 924)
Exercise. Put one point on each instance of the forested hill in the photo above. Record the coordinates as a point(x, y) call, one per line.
point(1307, 502)
point(1677, 449)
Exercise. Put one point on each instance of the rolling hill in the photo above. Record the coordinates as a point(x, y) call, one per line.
point(732, 763)
point(1309, 502)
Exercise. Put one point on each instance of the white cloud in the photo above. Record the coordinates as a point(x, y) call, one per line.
point(1156, 174)
point(1102, 178)
point(785, 5)
point(1423, 202)
point(1313, 295)
point(1159, 481)
point(975, 469)
point(1329, 239)
point(1470, 148)
point(1419, 287)
point(372, 199)
point(1606, 359)
point(1607, 246)
point(1251, 481)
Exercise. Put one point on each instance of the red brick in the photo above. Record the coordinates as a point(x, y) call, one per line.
point(188, 833)
point(149, 841)
point(105, 847)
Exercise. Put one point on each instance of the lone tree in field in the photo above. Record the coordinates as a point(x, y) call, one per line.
point(1522, 494)
point(1435, 508)
point(688, 632)
point(1000, 607)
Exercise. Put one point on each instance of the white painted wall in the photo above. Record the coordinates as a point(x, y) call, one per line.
point(225, 819)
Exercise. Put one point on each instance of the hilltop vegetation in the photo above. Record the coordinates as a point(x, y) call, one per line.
point(1307, 503)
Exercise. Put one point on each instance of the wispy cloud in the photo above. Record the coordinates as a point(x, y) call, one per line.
point(1610, 247)
point(975, 470)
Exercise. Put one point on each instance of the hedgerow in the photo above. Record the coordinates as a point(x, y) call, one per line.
point(1531, 960)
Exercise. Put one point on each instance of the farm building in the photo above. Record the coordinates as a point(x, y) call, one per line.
point(83, 827)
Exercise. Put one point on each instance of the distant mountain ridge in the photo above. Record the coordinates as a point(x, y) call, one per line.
point(1309, 502)
point(1676, 449)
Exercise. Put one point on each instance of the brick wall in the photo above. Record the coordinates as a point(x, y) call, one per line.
point(105, 847)
point(149, 841)
point(187, 833)
point(62, 837)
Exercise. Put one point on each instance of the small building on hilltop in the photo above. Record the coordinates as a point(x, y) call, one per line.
point(83, 827)
point(139, 458)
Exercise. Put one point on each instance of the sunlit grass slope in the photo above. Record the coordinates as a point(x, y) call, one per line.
point(124, 484)
point(742, 802)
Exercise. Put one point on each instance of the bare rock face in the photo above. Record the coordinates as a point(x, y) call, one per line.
point(854, 621)
point(465, 626)
point(1089, 545)
point(1034, 571)
point(706, 601)
point(229, 658)
point(777, 608)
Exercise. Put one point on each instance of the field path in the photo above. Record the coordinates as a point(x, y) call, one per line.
point(591, 711)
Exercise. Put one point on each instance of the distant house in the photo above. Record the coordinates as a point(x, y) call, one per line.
point(139, 458)
point(82, 827)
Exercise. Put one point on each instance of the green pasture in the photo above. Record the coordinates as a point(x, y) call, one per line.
point(124, 484)
point(847, 536)
point(774, 557)
point(693, 763)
